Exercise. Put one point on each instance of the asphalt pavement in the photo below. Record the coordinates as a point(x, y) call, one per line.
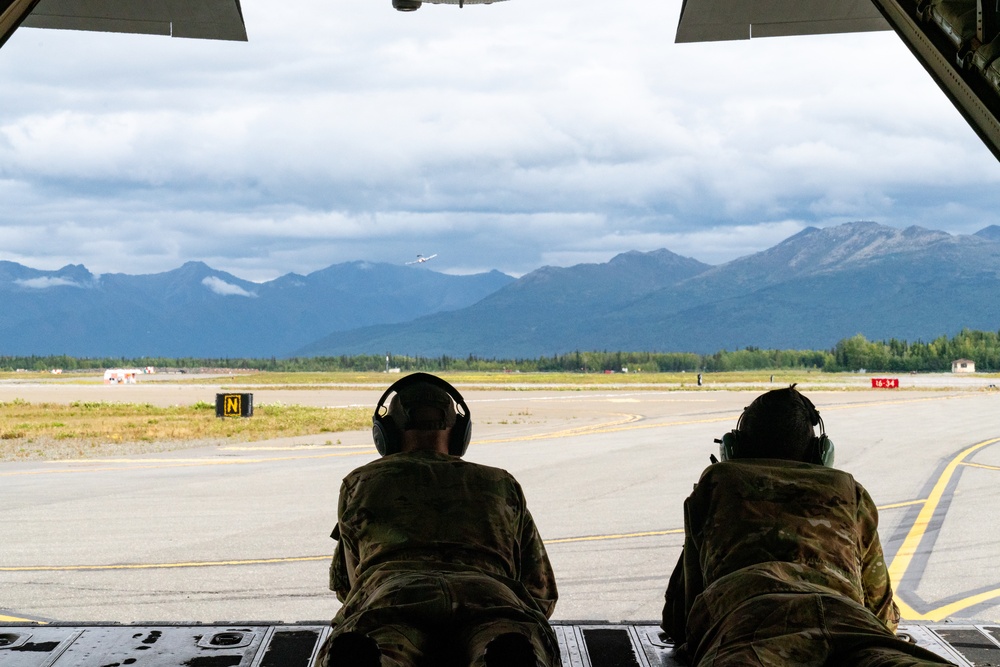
point(241, 532)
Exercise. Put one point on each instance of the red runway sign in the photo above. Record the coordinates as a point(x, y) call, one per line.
point(885, 383)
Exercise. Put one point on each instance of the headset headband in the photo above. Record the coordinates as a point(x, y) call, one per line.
point(387, 434)
point(821, 447)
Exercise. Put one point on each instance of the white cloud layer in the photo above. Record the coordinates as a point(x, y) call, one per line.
point(45, 282)
point(505, 136)
point(220, 286)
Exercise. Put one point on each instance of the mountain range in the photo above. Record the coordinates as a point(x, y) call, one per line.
point(196, 311)
point(807, 292)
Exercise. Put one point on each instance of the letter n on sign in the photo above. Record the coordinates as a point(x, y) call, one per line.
point(234, 405)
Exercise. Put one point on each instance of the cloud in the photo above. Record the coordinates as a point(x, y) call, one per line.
point(220, 286)
point(504, 136)
point(45, 282)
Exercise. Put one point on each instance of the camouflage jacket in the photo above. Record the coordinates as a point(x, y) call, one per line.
point(423, 511)
point(760, 526)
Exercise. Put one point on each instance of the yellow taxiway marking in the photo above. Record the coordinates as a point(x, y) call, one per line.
point(893, 401)
point(904, 556)
point(289, 559)
point(617, 536)
point(630, 425)
point(289, 448)
point(906, 503)
point(301, 559)
point(100, 465)
point(102, 461)
point(16, 619)
point(678, 531)
point(625, 424)
point(981, 465)
point(570, 432)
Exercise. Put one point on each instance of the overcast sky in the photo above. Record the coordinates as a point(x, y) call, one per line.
point(508, 136)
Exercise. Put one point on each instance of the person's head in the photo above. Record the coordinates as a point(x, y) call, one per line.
point(780, 425)
point(425, 413)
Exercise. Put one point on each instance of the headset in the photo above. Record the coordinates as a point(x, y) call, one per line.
point(389, 437)
point(821, 450)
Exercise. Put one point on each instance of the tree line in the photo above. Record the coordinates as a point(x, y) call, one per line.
point(850, 354)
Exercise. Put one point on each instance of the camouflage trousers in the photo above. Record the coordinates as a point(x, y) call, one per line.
point(807, 630)
point(423, 618)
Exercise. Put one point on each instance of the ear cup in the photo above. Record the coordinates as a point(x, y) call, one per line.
point(729, 446)
point(825, 451)
point(461, 434)
point(385, 433)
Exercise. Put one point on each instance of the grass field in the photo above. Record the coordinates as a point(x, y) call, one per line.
point(494, 380)
point(491, 378)
point(58, 431)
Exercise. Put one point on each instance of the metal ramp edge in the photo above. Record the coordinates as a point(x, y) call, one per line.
point(261, 644)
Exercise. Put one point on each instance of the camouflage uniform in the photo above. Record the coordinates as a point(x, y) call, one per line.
point(444, 553)
point(782, 565)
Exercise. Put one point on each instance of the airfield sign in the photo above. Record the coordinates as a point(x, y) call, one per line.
point(234, 405)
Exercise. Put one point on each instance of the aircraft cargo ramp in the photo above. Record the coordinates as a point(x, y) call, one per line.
point(583, 644)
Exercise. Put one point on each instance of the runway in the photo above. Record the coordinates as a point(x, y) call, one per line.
point(241, 532)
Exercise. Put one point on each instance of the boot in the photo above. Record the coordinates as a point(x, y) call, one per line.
point(352, 649)
point(510, 650)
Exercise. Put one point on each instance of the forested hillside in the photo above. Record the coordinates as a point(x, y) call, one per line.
point(851, 354)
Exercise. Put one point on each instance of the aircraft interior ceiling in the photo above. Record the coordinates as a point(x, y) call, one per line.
point(200, 19)
point(721, 20)
point(958, 43)
point(12, 13)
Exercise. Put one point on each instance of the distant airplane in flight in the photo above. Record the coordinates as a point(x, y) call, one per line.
point(414, 5)
point(421, 259)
